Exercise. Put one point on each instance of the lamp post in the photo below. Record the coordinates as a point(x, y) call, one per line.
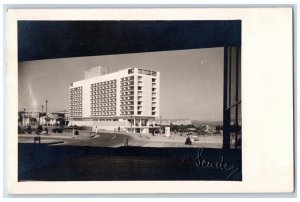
point(42, 113)
point(160, 125)
point(46, 113)
point(131, 121)
point(24, 117)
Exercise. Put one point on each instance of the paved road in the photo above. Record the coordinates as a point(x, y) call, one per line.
point(101, 140)
point(117, 139)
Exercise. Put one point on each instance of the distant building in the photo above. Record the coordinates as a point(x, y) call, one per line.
point(181, 122)
point(165, 122)
point(175, 122)
point(40, 118)
point(60, 117)
point(30, 118)
point(126, 100)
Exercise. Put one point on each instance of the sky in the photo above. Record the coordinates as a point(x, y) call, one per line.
point(191, 80)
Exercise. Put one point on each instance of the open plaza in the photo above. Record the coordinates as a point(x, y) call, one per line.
point(118, 139)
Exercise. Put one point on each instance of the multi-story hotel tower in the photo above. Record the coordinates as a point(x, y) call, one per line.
point(124, 100)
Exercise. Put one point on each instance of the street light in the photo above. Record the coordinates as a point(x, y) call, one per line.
point(46, 113)
point(41, 115)
point(24, 117)
point(131, 121)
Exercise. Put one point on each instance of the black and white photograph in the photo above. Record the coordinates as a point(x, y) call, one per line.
point(112, 101)
point(129, 100)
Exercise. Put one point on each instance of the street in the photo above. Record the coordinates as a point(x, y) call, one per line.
point(107, 139)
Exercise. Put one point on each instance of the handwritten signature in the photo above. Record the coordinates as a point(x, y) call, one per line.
point(201, 162)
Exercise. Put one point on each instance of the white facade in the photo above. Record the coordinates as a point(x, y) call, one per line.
point(126, 100)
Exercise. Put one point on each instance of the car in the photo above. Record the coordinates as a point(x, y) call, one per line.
point(73, 127)
point(57, 130)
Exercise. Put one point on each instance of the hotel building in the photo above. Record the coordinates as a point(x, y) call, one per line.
point(127, 100)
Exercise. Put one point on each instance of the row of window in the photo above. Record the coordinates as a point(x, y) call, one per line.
point(126, 112)
point(127, 93)
point(93, 88)
point(75, 110)
point(76, 106)
point(75, 103)
point(127, 83)
point(104, 100)
point(127, 103)
point(103, 105)
point(129, 78)
point(104, 83)
point(103, 92)
point(75, 96)
point(76, 99)
point(103, 113)
point(76, 90)
point(127, 108)
point(127, 98)
point(103, 109)
point(103, 96)
point(127, 88)
point(75, 114)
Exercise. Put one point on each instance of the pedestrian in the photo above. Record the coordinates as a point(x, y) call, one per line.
point(126, 142)
point(46, 129)
point(188, 140)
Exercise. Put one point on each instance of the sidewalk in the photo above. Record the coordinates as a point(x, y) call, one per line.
point(64, 135)
point(177, 140)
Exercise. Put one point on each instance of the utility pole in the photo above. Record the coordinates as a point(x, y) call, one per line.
point(46, 113)
point(24, 117)
point(160, 125)
point(131, 122)
point(41, 115)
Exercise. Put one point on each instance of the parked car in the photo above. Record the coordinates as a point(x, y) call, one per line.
point(57, 130)
point(75, 127)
